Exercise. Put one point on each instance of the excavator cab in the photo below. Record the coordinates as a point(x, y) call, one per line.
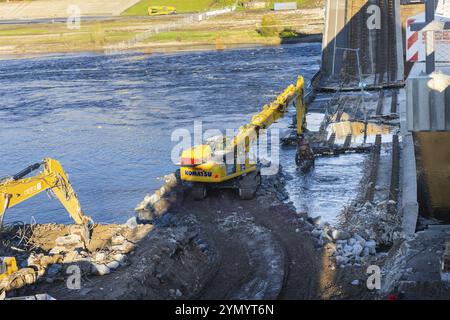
point(19, 187)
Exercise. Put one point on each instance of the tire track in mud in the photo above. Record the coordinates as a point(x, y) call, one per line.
point(259, 252)
point(220, 280)
point(302, 265)
point(248, 259)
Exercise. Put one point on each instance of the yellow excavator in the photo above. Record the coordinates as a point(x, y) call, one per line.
point(161, 10)
point(18, 188)
point(227, 163)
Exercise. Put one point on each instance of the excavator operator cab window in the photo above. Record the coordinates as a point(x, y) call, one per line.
point(217, 145)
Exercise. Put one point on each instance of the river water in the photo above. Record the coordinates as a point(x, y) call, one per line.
point(109, 118)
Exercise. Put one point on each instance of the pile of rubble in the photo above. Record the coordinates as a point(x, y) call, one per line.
point(45, 252)
point(51, 249)
point(273, 188)
point(367, 227)
point(347, 248)
point(158, 203)
point(375, 221)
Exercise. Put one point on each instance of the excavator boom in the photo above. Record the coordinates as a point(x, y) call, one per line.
point(18, 188)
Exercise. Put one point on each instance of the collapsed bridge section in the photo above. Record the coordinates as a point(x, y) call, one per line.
point(362, 44)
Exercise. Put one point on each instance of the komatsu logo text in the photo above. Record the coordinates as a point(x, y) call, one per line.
point(198, 173)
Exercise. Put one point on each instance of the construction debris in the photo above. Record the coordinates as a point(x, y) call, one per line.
point(158, 203)
point(50, 250)
point(374, 221)
point(346, 247)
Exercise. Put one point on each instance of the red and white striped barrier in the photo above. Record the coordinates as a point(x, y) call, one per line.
point(413, 44)
point(415, 41)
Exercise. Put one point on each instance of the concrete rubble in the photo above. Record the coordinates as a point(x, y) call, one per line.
point(51, 249)
point(158, 203)
point(374, 221)
point(106, 252)
point(348, 248)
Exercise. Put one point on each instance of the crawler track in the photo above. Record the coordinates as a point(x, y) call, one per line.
point(238, 271)
point(299, 282)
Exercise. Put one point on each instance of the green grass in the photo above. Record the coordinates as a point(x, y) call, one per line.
point(206, 36)
point(24, 31)
point(300, 3)
point(90, 34)
point(182, 6)
point(186, 36)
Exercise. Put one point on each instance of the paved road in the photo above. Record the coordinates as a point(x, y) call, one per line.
point(53, 20)
point(85, 18)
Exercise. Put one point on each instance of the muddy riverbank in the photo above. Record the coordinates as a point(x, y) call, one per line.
point(178, 33)
point(219, 248)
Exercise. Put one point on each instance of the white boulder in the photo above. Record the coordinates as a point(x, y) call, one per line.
point(99, 269)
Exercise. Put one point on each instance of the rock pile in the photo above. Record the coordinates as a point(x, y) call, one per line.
point(158, 203)
point(348, 248)
point(69, 249)
point(367, 227)
point(374, 221)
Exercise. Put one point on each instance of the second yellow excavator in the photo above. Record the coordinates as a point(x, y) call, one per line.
point(18, 188)
point(227, 163)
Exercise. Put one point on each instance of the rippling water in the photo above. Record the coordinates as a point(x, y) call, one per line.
point(327, 189)
point(109, 119)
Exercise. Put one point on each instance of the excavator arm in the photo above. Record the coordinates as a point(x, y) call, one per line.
point(18, 188)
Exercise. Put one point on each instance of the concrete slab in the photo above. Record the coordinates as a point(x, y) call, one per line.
point(335, 35)
point(408, 174)
point(428, 105)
